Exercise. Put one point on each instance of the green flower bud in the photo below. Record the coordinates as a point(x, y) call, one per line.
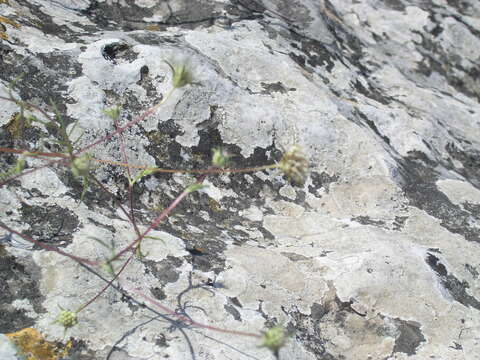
point(81, 166)
point(274, 338)
point(67, 318)
point(181, 74)
point(220, 158)
point(113, 113)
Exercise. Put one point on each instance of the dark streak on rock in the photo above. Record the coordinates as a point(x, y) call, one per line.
point(18, 281)
point(50, 224)
point(456, 288)
point(366, 220)
point(419, 178)
point(410, 337)
point(321, 180)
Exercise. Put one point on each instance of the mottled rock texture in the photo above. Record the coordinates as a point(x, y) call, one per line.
point(376, 256)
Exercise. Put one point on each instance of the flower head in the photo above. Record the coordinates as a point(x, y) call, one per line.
point(81, 165)
point(182, 74)
point(67, 318)
point(294, 165)
point(275, 338)
point(220, 158)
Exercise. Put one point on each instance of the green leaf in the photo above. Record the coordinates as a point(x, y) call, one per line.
point(194, 187)
point(143, 173)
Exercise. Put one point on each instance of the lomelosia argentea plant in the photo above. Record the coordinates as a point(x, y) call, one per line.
point(82, 166)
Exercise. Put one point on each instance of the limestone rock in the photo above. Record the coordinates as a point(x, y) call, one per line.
point(375, 256)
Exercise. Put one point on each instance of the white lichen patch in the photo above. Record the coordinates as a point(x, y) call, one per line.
point(459, 192)
point(25, 305)
point(46, 181)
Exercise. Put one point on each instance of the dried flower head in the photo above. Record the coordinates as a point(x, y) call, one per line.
point(274, 338)
point(294, 165)
point(182, 74)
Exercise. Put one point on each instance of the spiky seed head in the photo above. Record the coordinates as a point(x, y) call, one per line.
point(274, 338)
point(182, 74)
point(67, 319)
point(294, 165)
point(113, 113)
point(220, 158)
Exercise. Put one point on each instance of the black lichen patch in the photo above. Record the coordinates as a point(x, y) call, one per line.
point(80, 351)
point(44, 22)
point(44, 79)
point(456, 288)
point(223, 224)
point(147, 82)
point(129, 16)
point(307, 330)
point(295, 11)
point(364, 120)
point(230, 307)
point(95, 197)
point(314, 52)
point(321, 181)
point(464, 7)
point(366, 220)
point(399, 222)
point(294, 257)
point(419, 178)
point(410, 337)
point(163, 147)
point(17, 282)
point(278, 87)
point(372, 93)
point(7, 161)
point(394, 4)
point(472, 270)
point(49, 224)
point(449, 66)
point(117, 51)
point(470, 160)
point(165, 270)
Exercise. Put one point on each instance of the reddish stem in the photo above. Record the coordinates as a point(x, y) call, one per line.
point(48, 247)
point(106, 286)
point(189, 321)
point(158, 220)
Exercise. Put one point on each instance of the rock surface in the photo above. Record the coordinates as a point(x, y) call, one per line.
point(376, 256)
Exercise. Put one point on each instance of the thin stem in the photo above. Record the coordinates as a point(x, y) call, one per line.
point(43, 112)
point(121, 129)
point(48, 247)
point(189, 171)
point(158, 220)
point(104, 188)
point(129, 175)
point(106, 286)
point(189, 321)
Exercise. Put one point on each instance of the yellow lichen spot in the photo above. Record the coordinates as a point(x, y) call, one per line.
point(9, 22)
point(4, 20)
point(31, 344)
point(153, 27)
point(16, 125)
